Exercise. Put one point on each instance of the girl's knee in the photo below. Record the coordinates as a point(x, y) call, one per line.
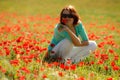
point(67, 42)
point(93, 45)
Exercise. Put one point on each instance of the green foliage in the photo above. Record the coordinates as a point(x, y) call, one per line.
point(34, 20)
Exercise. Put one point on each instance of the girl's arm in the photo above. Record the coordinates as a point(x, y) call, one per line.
point(76, 41)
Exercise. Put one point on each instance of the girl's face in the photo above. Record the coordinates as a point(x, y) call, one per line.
point(67, 18)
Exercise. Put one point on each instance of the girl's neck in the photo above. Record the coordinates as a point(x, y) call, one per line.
point(70, 26)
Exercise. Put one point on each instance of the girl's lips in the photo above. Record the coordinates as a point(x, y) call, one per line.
point(67, 21)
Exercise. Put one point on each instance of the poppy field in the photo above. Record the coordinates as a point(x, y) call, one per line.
point(25, 36)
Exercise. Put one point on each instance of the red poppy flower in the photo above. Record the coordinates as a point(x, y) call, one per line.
point(14, 62)
point(68, 61)
point(116, 57)
point(19, 39)
point(7, 51)
point(81, 64)
point(52, 52)
point(104, 56)
point(44, 76)
point(80, 78)
point(111, 50)
point(3, 70)
point(59, 58)
point(52, 45)
point(22, 78)
point(55, 63)
point(106, 68)
point(60, 74)
point(25, 70)
point(73, 67)
point(64, 21)
point(101, 45)
point(113, 63)
point(110, 78)
point(115, 68)
point(100, 62)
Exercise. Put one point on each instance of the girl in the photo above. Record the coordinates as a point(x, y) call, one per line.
point(70, 40)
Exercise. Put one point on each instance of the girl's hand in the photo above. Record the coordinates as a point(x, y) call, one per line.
point(63, 28)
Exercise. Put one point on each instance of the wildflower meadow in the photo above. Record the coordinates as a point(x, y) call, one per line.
point(26, 29)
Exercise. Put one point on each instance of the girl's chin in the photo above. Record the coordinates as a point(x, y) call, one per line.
point(68, 24)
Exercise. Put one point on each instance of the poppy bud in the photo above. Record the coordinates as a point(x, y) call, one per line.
point(64, 21)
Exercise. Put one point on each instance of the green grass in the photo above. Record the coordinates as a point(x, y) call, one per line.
point(109, 9)
point(99, 13)
point(88, 10)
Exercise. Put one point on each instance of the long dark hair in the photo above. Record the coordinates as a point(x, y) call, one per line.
point(72, 11)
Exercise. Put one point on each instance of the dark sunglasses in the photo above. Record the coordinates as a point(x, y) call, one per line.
point(67, 15)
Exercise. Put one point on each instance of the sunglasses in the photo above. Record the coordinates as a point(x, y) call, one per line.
point(67, 15)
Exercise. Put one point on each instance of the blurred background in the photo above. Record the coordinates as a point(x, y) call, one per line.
point(109, 9)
